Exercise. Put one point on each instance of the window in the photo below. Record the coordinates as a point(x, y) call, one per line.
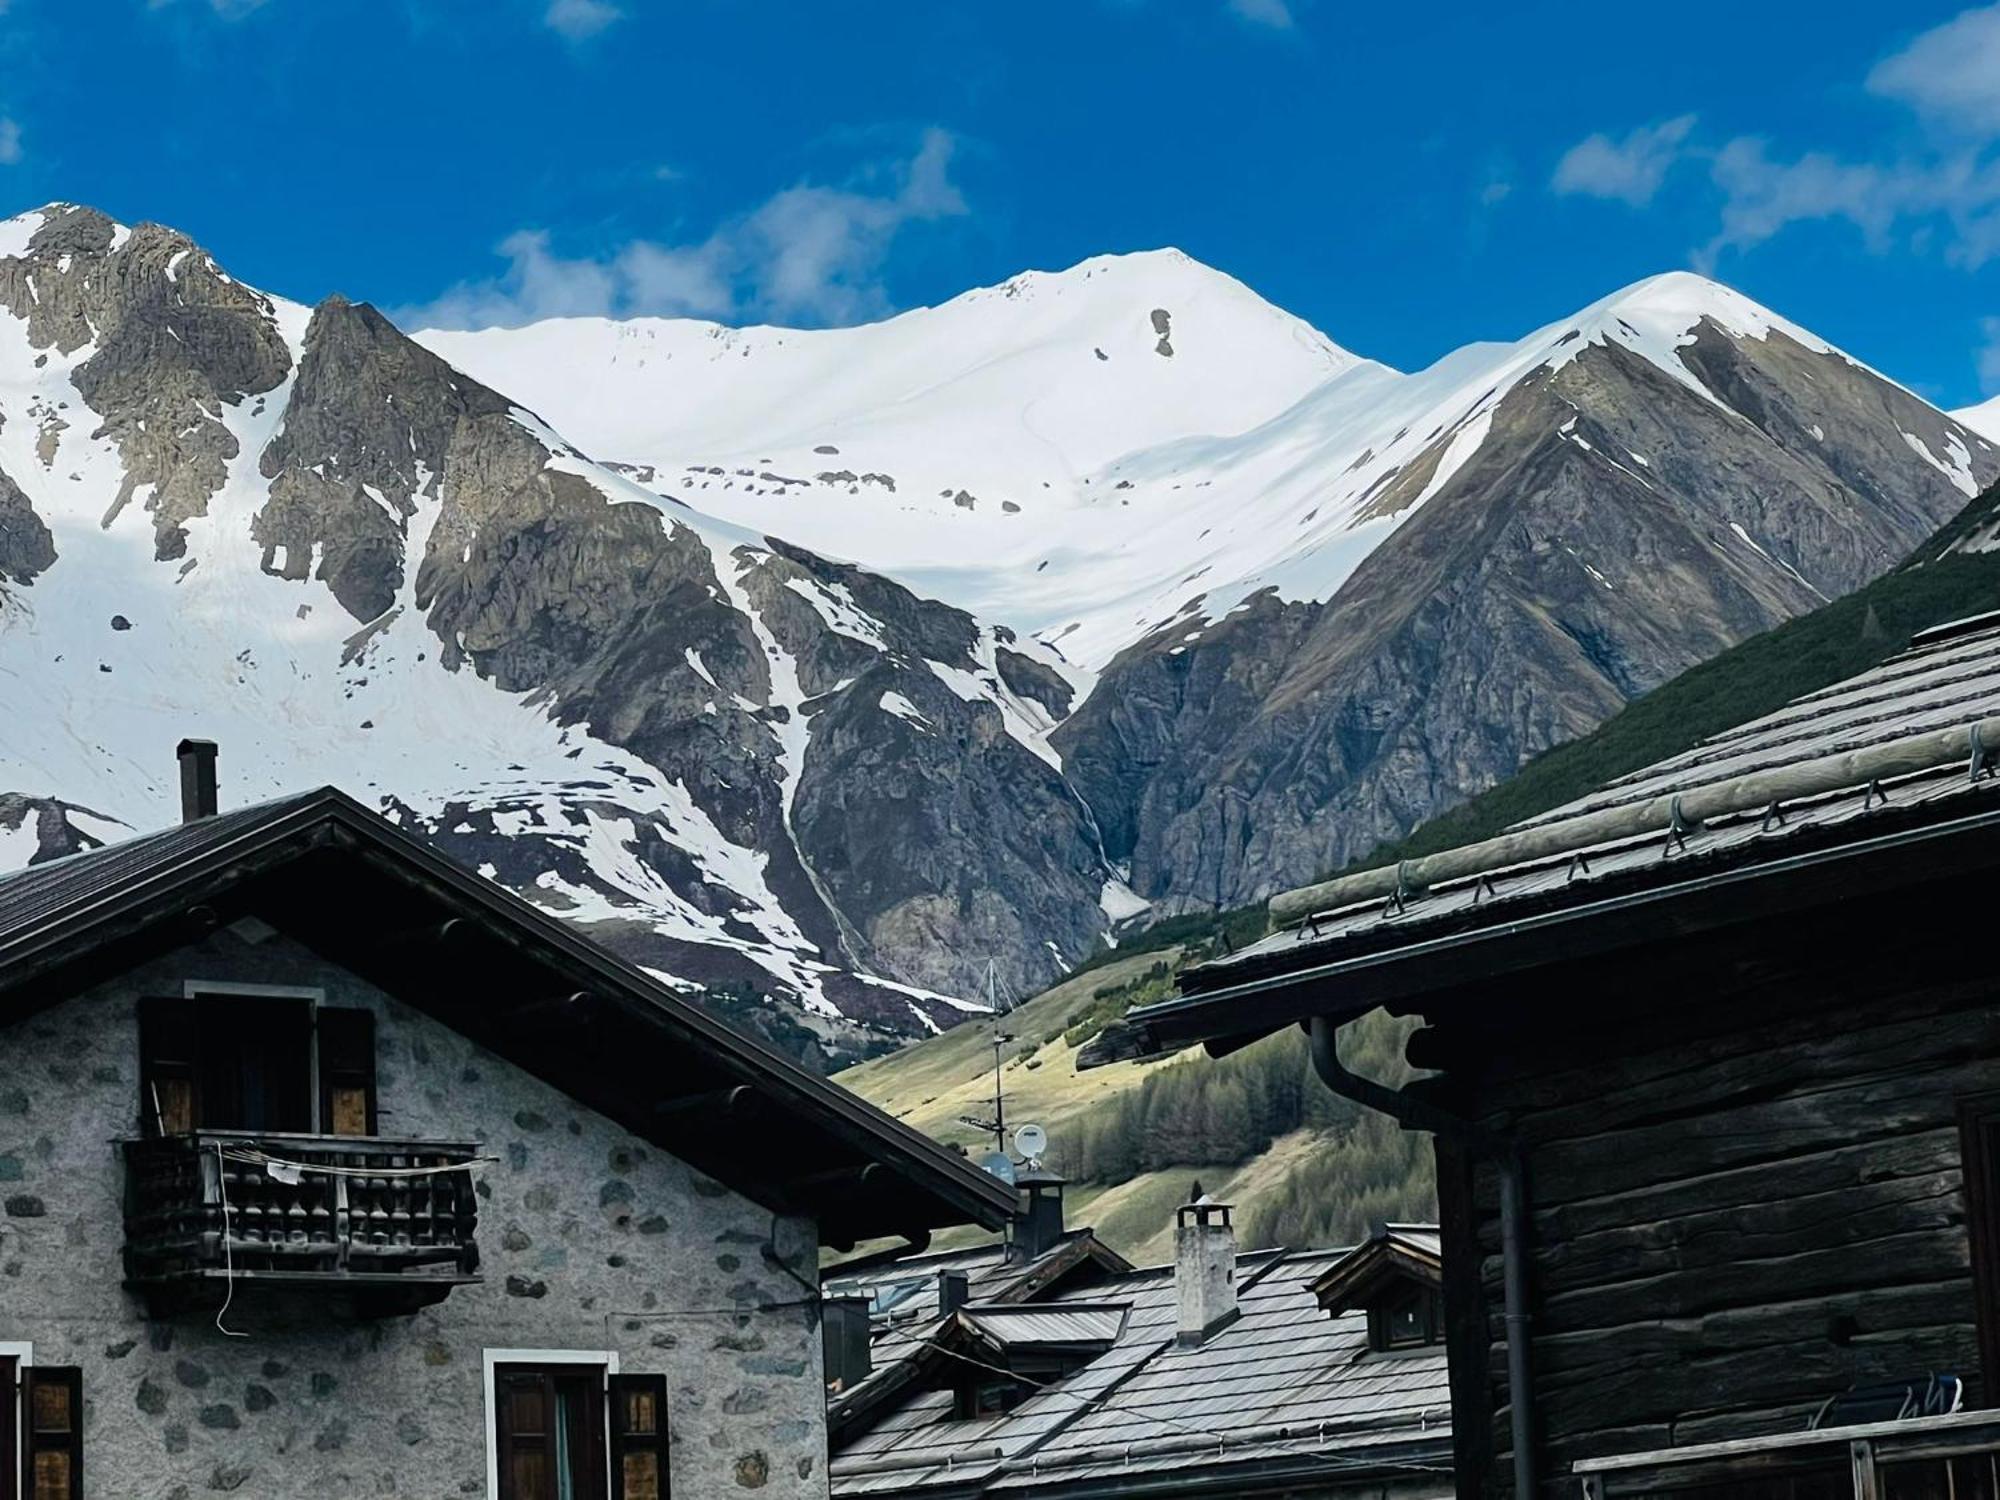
point(265, 1062)
point(565, 1426)
point(991, 1398)
point(1409, 1317)
point(551, 1431)
point(41, 1428)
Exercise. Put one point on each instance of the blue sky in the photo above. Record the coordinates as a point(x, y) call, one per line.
point(1406, 177)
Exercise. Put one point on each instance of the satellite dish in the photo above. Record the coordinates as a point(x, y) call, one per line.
point(999, 1165)
point(1031, 1141)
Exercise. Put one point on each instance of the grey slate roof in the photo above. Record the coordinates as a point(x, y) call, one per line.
point(1065, 1323)
point(31, 898)
point(1284, 1385)
point(1949, 677)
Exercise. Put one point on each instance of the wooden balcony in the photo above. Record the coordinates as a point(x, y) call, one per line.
point(1953, 1456)
point(375, 1226)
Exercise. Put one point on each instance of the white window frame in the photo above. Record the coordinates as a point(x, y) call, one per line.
point(23, 1355)
point(606, 1359)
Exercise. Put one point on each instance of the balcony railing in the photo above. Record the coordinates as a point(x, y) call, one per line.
point(388, 1225)
point(1951, 1457)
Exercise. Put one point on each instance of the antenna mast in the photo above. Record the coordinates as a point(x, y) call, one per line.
point(997, 1126)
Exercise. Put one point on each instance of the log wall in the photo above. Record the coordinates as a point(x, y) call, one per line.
point(1744, 1182)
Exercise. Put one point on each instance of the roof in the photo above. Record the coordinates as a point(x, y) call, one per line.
point(350, 884)
point(1071, 1323)
point(1405, 1252)
point(905, 1311)
point(1284, 1390)
point(1926, 717)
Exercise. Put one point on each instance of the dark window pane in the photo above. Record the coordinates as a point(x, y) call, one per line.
point(255, 1066)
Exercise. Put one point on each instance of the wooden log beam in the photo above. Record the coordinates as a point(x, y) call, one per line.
point(556, 1016)
point(739, 1102)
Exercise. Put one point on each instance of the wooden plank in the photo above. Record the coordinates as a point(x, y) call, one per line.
point(1844, 1317)
point(1764, 1061)
point(1774, 1129)
point(1763, 1379)
point(1570, 1076)
point(1729, 1238)
point(1840, 1164)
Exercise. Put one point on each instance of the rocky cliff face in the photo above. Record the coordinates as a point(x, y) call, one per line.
point(759, 771)
point(1616, 526)
point(1114, 575)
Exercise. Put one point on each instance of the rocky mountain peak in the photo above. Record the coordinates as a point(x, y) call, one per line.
point(829, 666)
point(155, 338)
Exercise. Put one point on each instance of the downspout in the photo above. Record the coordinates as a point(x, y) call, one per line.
point(1420, 1114)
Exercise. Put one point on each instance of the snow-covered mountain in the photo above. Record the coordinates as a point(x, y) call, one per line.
point(968, 449)
point(298, 533)
point(1983, 418)
point(1286, 561)
point(1091, 455)
point(827, 666)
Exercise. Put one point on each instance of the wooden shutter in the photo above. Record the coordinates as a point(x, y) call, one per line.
point(347, 1072)
point(167, 1070)
point(524, 1424)
point(52, 1433)
point(639, 1437)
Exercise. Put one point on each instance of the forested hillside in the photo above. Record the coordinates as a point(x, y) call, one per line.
point(1255, 1128)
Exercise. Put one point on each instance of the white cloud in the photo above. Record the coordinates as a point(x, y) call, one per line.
point(1950, 74)
point(810, 253)
point(1761, 196)
point(10, 141)
point(1276, 14)
point(1989, 357)
point(1949, 199)
point(579, 20)
point(1939, 194)
point(1630, 169)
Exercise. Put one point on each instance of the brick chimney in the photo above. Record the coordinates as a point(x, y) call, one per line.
point(198, 799)
point(1204, 1269)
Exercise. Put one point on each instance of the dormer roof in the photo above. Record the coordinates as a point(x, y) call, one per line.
point(1387, 1261)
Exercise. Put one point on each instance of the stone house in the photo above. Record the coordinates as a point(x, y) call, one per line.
point(328, 1168)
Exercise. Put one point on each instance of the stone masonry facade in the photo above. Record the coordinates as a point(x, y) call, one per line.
point(590, 1240)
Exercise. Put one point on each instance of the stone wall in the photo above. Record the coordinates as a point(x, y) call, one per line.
point(590, 1240)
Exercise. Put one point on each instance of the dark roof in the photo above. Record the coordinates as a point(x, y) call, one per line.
point(1286, 1391)
point(904, 1308)
point(1395, 1252)
point(341, 878)
point(1387, 951)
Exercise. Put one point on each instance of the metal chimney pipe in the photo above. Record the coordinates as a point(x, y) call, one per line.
point(198, 798)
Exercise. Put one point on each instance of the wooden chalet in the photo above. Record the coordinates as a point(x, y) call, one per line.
point(1713, 1064)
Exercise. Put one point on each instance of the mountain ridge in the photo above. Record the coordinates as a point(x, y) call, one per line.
point(820, 787)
